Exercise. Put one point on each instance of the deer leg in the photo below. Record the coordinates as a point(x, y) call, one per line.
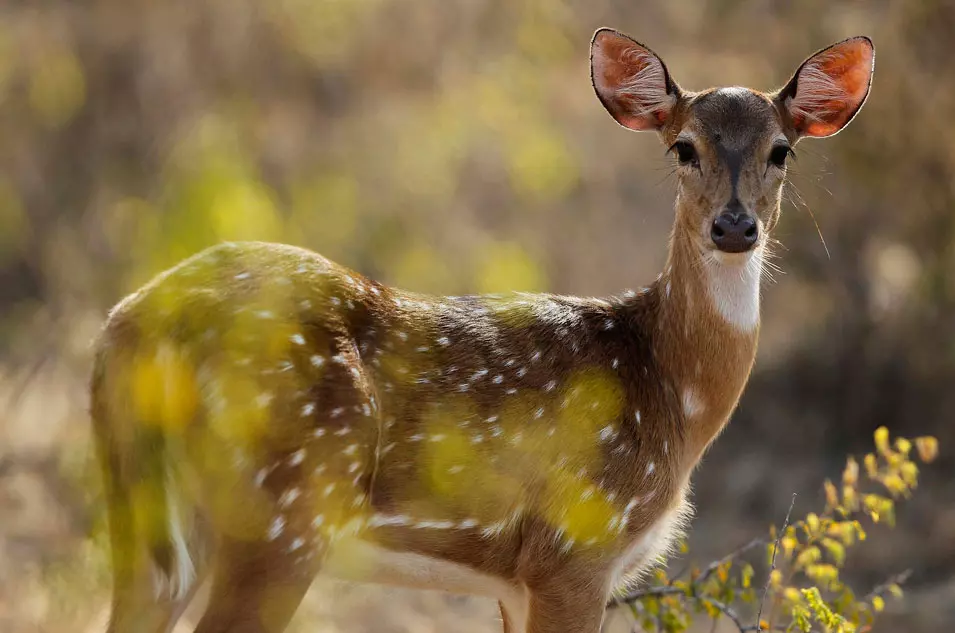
point(257, 587)
point(513, 617)
point(566, 608)
point(136, 607)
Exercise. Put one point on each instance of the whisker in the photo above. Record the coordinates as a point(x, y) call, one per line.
point(812, 215)
point(669, 174)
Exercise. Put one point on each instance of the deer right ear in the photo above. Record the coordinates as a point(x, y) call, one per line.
point(631, 81)
point(829, 88)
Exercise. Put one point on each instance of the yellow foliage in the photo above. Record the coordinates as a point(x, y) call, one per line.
point(245, 209)
point(789, 544)
point(505, 267)
point(903, 446)
point(823, 574)
point(164, 389)
point(775, 578)
point(882, 440)
point(850, 476)
point(324, 209)
point(927, 448)
point(835, 549)
point(594, 399)
point(579, 509)
point(807, 557)
point(541, 166)
point(57, 88)
point(14, 226)
point(424, 269)
point(832, 495)
point(322, 32)
point(746, 576)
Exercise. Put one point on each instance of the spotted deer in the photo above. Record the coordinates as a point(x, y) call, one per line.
point(264, 414)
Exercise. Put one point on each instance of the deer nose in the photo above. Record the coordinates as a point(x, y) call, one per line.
point(734, 232)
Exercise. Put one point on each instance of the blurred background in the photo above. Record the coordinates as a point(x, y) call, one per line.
point(455, 146)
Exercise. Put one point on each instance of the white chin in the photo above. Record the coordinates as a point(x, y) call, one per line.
point(735, 259)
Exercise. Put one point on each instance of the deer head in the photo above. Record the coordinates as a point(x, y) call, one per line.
point(731, 144)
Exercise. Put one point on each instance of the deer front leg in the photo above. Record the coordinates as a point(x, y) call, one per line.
point(256, 588)
point(567, 606)
point(513, 616)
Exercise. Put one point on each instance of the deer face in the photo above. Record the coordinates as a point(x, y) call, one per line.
point(731, 145)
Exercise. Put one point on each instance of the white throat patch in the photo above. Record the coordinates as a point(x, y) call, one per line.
point(734, 289)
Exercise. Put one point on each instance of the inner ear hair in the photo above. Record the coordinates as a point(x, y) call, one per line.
point(829, 88)
point(631, 81)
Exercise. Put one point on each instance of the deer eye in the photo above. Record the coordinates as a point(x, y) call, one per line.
point(685, 153)
point(779, 154)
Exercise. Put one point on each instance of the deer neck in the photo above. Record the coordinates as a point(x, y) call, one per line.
point(706, 333)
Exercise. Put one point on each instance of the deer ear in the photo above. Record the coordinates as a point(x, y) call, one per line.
point(829, 88)
point(631, 81)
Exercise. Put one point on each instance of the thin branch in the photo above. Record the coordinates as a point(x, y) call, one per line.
point(769, 577)
point(730, 613)
point(881, 589)
point(650, 592)
point(706, 573)
point(725, 609)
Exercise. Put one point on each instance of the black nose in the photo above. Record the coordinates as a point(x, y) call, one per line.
point(734, 232)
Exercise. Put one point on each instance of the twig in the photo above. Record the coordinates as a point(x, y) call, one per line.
point(651, 592)
point(706, 573)
point(725, 609)
point(769, 577)
point(729, 612)
point(878, 590)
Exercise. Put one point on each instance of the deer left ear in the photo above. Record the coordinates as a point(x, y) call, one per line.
point(631, 81)
point(829, 88)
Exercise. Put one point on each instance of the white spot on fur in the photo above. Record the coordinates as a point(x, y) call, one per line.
point(436, 525)
point(380, 520)
point(692, 404)
point(185, 571)
point(289, 497)
point(276, 528)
